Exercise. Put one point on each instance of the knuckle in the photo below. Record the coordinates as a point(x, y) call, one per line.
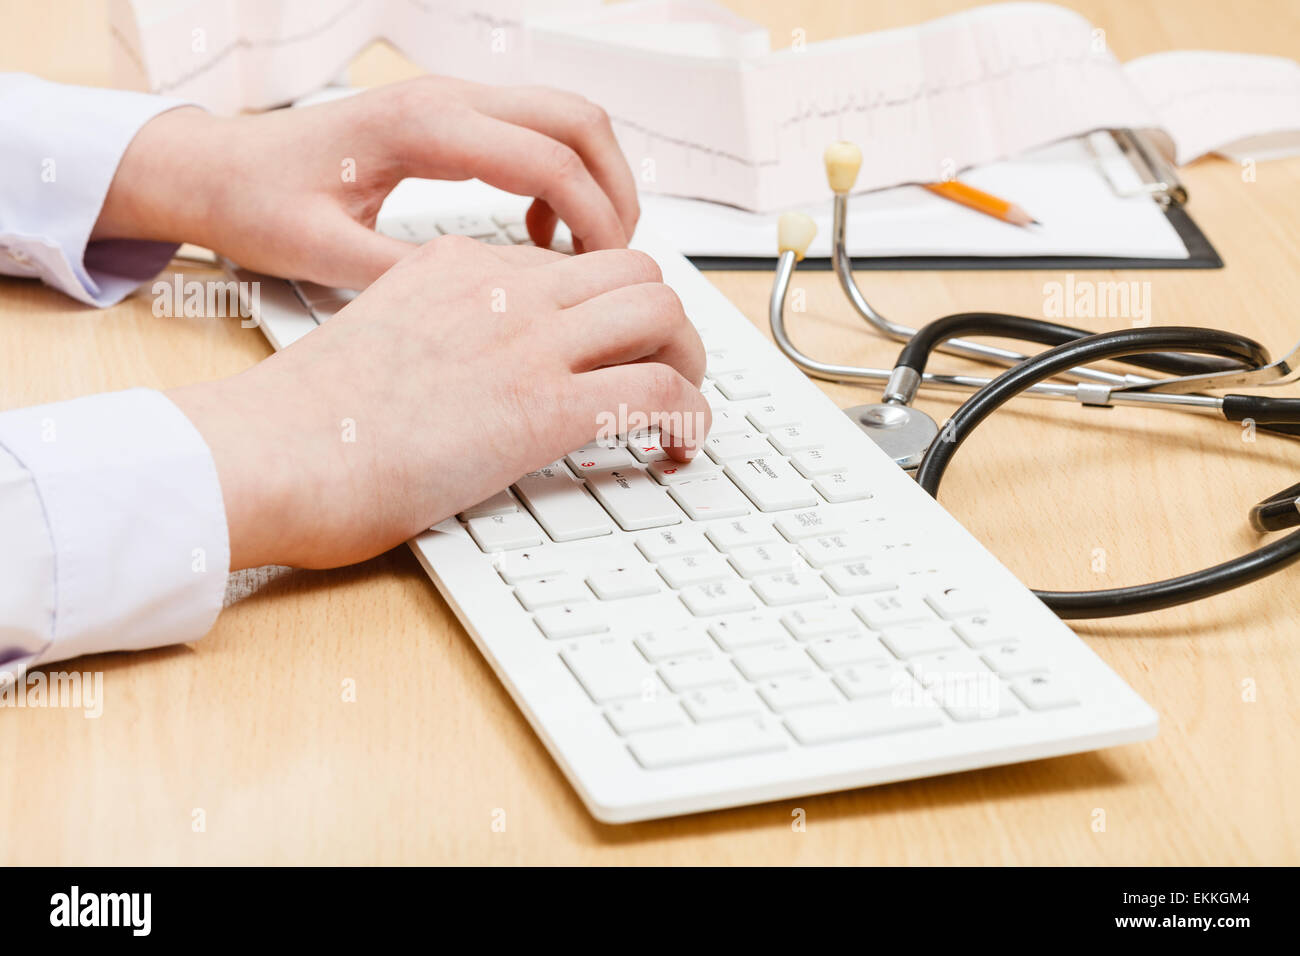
point(591, 115)
point(450, 246)
point(643, 266)
point(564, 162)
point(663, 385)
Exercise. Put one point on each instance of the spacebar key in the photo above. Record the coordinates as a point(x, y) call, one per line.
point(868, 718)
point(712, 741)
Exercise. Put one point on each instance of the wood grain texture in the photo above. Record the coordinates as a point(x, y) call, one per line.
point(249, 725)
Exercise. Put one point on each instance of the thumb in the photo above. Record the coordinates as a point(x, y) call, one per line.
point(351, 256)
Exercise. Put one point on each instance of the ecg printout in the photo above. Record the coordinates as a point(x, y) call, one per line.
point(703, 111)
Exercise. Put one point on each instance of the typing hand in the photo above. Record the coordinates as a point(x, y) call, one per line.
point(295, 193)
point(381, 422)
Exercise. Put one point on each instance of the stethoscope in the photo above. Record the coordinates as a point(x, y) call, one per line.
point(917, 443)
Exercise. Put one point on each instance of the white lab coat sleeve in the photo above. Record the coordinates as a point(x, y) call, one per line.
point(59, 150)
point(112, 529)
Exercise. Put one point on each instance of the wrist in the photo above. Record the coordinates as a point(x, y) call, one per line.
point(252, 466)
point(165, 185)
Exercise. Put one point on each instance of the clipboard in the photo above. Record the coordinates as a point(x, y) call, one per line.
point(1158, 180)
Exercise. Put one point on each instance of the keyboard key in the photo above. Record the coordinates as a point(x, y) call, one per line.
point(702, 742)
point(624, 582)
point(721, 703)
point(691, 569)
point(888, 610)
point(771, 484)
point(571, 620)
point(561, 505)
point(596, 457)
point(953, 603)
point(723, 448)
point(789, 588)
point(1015, 659)
point(610, 669)
point(839, 548)
point(674, 642)
point(789, 693)
point(740, 385)
point(876, 679)
point(858, 577)
point(832, 653)
point(808, 524)
point(504, 532)
point(728, 421)
point(499, 504)
point(633, 500)
point(707, 498)
point(806, 623)
point(771, 558)
point(763, 662)
point(687, 673)
point(816, 461)
point(646, 447)
point(909, 640)
point(843, 486)
point(789, 439)
point(670, 543)
point(1045, 692)
point(771, 414)
point(669, 472)
point(730, 535)
point(719, 361)
point(517, 233)
point(957, 661)
point(972, 697)
point(749, 630)
point(861, 718)
point(980, 632)
point(542, 592)
point(718, 597)
point(635, 716)
point(516, 566)
point(468, 224)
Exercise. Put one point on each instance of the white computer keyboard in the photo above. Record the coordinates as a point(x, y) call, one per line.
point(788, 614)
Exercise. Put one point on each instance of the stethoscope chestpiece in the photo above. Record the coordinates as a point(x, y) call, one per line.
point(900, 431)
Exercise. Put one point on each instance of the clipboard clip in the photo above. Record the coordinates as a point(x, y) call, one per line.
point(1159, 179)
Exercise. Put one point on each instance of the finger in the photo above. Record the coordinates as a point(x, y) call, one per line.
point(635, 323)
point(527, 163)
point(571, 280)
point(349, 255)
point(609, 401)
point(575, 121)
point(541, 221)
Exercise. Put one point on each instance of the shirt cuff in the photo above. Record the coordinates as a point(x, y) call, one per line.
point(62, 147)
point(133, 502)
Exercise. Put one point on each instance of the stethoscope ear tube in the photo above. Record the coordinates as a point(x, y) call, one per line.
point(1141, 598)
point(1278, 511)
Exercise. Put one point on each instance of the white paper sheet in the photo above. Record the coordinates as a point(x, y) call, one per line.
point(701, 107)
point(1062, 185)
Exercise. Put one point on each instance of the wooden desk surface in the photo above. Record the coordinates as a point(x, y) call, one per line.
point(249, 727)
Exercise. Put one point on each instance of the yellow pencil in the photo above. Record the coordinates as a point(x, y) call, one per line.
point(982, 202)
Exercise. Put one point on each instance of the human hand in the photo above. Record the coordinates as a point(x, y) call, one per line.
point(295, 193)
point(383, 422)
